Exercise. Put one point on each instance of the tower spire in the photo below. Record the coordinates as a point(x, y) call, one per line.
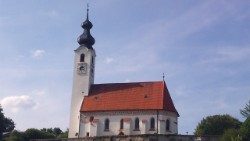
point(85, 39)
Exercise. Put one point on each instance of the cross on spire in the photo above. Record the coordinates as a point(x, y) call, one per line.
point(87, 11)
point(163, 76)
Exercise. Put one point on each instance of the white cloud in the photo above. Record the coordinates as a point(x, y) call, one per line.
point(15, 103)
point(38, 53)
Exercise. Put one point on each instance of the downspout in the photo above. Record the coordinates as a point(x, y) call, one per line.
point(157, 130)
point(79, 117)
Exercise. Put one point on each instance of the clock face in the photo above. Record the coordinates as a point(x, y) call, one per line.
point(82, 68)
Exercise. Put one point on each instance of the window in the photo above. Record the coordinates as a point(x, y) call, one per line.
point(152, 124)
point(106, 125)
point(167, 125)
point(82, 57)
point(91, 119)
point(92, 60)
point(137, 123)
point(92, 71)
point(121, 124)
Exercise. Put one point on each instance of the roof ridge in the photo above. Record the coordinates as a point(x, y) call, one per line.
point(129, 82)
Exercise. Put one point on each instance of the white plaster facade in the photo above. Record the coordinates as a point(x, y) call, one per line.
point(96, 126)
point(81, 84)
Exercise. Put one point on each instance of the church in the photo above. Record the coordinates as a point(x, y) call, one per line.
point(116, 109)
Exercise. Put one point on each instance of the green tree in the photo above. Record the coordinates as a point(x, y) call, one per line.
point(16, 136)
point(216, 125)
point(245, 130)
point(38, 134)
point(231, 135)
point(1, 123)
point(57, 131)
point(6, 124)
point(49, 130)
point(63, 134)
point(9, 125)
point(246, 111)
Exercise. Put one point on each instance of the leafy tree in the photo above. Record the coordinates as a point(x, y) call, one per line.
point(216, 125)
point(245, 130)
point(57, 131)
point(63, 135)
point(44, 129)
point(17, 136)
point(9, 125)
point(246, 111)
point(49, 130)
point(38, 134)
point(1, 123)
point(6, 124)
point(231, 135)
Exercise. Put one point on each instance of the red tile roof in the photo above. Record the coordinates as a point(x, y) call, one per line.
point(128, 96)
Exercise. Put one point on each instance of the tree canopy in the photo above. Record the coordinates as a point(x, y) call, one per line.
point(32, 133)
point(246, 111)
point(6, 124)
point(245, 130)
point(216, 125)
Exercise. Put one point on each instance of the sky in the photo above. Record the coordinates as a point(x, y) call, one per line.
point(203, 47)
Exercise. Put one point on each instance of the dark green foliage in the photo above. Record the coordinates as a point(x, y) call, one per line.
point(9, 125)
point(57, 131)
point(216, 125)
point(45, 133)
point(17, 136)
point(231, 135)
point(63, 134)
point(245, 130)
point(246, 111)
point(6, 124)
point(49, 130)
point(1, 123)
point(38, 134)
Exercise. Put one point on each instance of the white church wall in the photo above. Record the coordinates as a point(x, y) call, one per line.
point(129, 123)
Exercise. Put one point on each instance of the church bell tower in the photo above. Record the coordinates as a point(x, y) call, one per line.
point(83, 75)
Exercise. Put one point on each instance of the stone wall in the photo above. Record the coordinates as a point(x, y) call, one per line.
point(141, 138)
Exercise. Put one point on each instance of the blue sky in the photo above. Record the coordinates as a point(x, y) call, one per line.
point(202, 46)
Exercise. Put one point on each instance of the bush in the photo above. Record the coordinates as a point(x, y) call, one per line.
point(216, 125)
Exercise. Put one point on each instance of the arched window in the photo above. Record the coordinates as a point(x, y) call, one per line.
point(106, 124)
point(82, 57)
point(91, 119)
point(167, 125)
point(137, 126)
point(152, 124)
point(92, 60)
point(121, 124)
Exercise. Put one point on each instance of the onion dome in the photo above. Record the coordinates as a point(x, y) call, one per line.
point(85, 39)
